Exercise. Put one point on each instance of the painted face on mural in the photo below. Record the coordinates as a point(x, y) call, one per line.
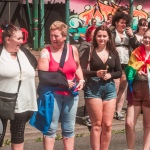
point(102, 38)
point(146, 39)
point(121, 25)
point(57, 39)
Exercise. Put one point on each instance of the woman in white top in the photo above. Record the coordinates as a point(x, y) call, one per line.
point(10, 74)
point(124, 41)
point(141, 28)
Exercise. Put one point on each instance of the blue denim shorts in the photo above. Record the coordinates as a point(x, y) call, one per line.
point(99, 88)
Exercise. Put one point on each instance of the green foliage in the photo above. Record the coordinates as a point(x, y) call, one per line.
point(6, 142)
point(79, 135)
point(58, 137)
point(39, 139)
point(118, 131)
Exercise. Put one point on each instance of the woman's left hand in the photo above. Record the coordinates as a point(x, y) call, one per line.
point(80, 85)
point(107, 76)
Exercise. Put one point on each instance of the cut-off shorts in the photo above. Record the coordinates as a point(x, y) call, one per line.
point(99, 88)
point(141, 95)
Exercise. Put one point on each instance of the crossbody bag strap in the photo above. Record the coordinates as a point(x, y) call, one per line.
point(19, 84)
point(63, 56)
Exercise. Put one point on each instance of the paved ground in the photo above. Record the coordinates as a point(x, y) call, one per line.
point(118, 142)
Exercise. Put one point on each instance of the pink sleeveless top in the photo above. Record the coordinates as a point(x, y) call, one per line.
point(69, 67)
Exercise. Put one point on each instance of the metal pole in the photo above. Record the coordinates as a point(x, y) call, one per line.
point(29, 15)
point(131, 10)
point(67, 7)
point(35, 24)
point(41, 23)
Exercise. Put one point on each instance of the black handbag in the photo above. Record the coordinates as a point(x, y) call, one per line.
point(8, 102)
point(57, 78)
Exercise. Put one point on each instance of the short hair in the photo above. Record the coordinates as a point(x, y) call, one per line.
point(123, 8)
point(120, 15)
point(93, 20)
point(110, 14)
point(61, 26)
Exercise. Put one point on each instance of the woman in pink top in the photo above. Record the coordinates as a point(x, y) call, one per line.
point(65, 104)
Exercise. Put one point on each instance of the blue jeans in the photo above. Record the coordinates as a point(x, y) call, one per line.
point(99, 88)
point(65, 108)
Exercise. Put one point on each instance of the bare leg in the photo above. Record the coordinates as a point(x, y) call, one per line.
point(68, 143)
point(108, 113)
point(131, 119)
point(48, 143)
point(121, 92)
point(146, 124)
point(94, 107)
point(17, 146)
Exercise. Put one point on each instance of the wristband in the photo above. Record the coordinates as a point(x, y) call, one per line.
point(82, 80)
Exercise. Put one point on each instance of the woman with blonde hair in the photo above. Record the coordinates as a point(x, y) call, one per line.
point(65, 99)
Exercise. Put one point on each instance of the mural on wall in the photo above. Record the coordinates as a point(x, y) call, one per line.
point(82, 12)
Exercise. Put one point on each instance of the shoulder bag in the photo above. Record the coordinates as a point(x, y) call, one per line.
point(8, 102)
point(57, 78)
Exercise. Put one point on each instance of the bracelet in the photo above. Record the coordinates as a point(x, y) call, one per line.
point(82, 80)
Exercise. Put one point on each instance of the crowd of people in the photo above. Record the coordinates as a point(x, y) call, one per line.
point(112, 65)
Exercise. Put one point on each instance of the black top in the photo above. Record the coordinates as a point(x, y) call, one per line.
point(96, 64)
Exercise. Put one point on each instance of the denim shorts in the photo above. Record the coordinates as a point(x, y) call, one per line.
point(99, 88)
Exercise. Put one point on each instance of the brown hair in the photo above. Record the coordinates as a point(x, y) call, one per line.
point(142, 21)
point(92, 20)
point(8, 30)
point(110, 46)
point(58, 25)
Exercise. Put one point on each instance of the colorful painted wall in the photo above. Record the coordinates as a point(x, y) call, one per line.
point(83, 10)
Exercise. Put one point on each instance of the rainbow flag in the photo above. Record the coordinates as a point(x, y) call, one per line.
point(136, 63)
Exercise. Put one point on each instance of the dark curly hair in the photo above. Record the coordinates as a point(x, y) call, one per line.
point(120, 15)
point(123, 8)
point(110, 46)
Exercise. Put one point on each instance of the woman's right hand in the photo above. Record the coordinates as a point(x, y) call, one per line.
point(71, 84)
point(101, 73)
point(142, 73)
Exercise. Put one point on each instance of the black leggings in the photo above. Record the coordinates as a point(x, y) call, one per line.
point(17, 127)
